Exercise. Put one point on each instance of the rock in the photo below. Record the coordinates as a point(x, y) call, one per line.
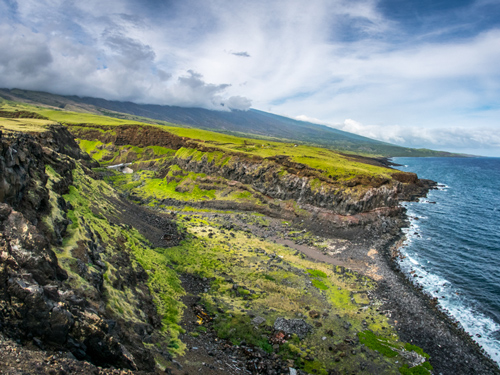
point(413, 358)
point(38, 343)
point(293, 326)
point(5, 211)
point(258, 320)
point(314, 314)
point(177, 364)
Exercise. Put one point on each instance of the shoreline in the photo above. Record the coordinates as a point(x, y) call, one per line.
point(419, 319)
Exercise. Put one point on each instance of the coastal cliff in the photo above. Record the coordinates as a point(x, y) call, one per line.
point(197, 257)
point(333, 204)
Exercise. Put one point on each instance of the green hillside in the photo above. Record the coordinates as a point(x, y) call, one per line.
point(252, 123)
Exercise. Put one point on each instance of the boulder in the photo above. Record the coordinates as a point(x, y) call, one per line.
point(293, 326)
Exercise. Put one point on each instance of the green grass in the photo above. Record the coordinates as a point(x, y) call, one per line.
point(316, 273)
point(380, 344)
point(146, 185)
point(326, 162)
point(423, 369)
point(319, 284)
point(416, 349)
point(25, 124)
point(109, 154)
point(68, 117)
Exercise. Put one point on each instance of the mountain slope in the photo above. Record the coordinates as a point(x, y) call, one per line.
point(252, 122)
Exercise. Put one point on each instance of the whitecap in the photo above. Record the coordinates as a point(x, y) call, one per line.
point(483, 329)
point(442, 187)
point(413, 260)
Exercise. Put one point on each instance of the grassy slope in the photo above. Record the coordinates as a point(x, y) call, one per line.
point(25, 125)
point(90, 202)
point(329, 162)
point(284, 287)
point(251, 124)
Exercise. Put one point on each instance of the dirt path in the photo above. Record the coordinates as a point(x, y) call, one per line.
point(317, 255)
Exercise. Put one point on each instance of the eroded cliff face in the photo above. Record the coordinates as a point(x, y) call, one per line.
point(275, 177)
point(365, 207)
point(59, 274)
point(271, 179)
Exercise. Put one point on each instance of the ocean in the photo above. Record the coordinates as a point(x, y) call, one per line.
point(453, 242)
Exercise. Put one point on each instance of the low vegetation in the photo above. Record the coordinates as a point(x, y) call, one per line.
point(91, 208)
point(249, 275)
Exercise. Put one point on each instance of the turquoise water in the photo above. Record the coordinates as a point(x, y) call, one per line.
point(453, 243)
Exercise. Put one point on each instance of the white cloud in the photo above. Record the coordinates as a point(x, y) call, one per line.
point(482, 140)
point(238, 102)
point(330, 59)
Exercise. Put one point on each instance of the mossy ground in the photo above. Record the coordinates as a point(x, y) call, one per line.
point(249, 275)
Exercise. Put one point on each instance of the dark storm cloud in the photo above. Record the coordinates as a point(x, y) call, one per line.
point(132, 51)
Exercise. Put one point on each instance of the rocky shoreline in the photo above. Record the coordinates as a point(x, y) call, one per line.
point(421, 321)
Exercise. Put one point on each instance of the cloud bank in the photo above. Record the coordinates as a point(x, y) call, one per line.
point(454, 139)
point(95, 53)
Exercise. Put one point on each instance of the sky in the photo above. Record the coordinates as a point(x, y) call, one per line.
point(418, 73)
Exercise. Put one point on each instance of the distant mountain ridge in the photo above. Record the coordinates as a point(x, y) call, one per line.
point(252, 122)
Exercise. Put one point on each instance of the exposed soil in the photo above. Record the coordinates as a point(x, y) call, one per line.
point(158, 228)
point(23, 360)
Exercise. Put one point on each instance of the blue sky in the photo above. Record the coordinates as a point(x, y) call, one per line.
point(417, 73)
